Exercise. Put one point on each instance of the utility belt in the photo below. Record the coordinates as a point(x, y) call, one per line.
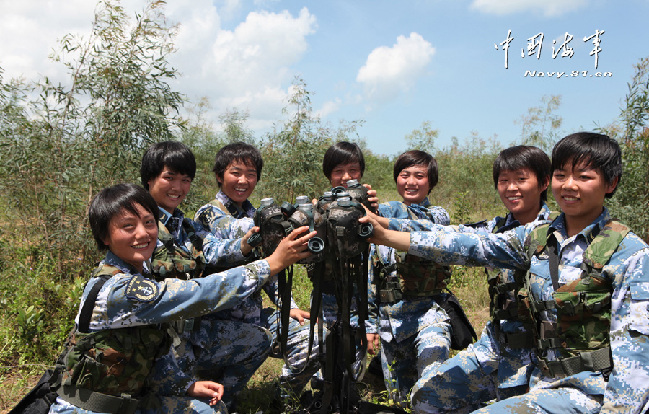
point(597, 360)
point(98, 402)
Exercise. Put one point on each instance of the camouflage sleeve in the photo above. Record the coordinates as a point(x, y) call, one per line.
point(411, 225)
point(173, 373)
point(132, 300)
point(626, 390)
point(439, 215)
point(223, 234)
point(372, 322)
point(445, 245)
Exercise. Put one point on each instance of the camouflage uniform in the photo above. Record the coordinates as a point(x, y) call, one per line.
point(624, 389)
point(489, 368)
point(414, 331)
point(225, 351)
point(230, 223)
point(130, 303)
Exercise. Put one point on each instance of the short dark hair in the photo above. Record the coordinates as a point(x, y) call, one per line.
point(524, 156)
point(173, 154)
point(416, 157)
point(110, 202)
point(598, 151)
point(238, 151)
point(340, 153)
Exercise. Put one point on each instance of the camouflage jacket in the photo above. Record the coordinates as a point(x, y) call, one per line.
point(626, 271)
point(131, 306)
point(496, 334)
point(228, 223)
point(191, 241)
point(396, 319)
point(581, 320)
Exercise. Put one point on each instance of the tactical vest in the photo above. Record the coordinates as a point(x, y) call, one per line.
point(170, 261)
point(106, 370)
point(503, 302)
point(417, 278)
point(580, 336)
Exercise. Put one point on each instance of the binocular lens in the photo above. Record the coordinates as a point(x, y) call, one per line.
point(365, 230)
point(316, 245)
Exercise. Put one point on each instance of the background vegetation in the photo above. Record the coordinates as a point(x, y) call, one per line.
point(60, 143)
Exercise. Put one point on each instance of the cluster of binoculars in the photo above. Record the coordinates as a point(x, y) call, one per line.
point(334, 218)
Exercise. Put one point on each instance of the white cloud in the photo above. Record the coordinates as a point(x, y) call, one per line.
point(29, 31)
point(390, 71)
point(328, 107)
point(247, 67)
point(548, 8)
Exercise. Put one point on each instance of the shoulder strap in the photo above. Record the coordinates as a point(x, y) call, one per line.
point(605, 243)
point(104, 273)
point(553, 259)
point(602, 244)
point(196, 241)
point(165, 237)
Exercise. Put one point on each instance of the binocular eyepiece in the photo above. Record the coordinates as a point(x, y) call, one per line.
point(334, 218)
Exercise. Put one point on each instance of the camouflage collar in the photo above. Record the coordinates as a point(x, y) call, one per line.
point(558, 226)
point(112, 260)
point(165, 215)
point(511, 222)
point(246, 210)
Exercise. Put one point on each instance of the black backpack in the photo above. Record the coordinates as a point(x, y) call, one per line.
point(43, 395)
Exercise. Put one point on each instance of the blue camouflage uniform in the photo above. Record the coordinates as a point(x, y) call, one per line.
point(223, 214)
point(489, 368)
point(414, 331)
point(627, 272)
point(225, 351)
point(117, 307)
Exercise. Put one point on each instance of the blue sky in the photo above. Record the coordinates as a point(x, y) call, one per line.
point(392, 64)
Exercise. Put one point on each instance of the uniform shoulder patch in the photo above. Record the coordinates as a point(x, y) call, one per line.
point(141, 289)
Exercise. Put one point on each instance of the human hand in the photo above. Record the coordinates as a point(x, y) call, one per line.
point(206, 389)
point(299, 315)
point(245, 247)
point(291, 249)
point(372, 343)
point(400, 240)
point(372, 198)
point(383, 221)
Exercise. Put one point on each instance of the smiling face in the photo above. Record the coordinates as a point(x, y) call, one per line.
point(169, 189)
point(520, 192)
point(412, 184)
point(133, 237)
point(345, 172)
point(580, 192)
point(238, 181)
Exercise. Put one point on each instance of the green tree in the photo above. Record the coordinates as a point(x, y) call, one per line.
point(540, 127)
point(632, 197)
point(65, 141)
point(423, 139)
point(465, 178)
point(233, 123)
point(293, 154)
